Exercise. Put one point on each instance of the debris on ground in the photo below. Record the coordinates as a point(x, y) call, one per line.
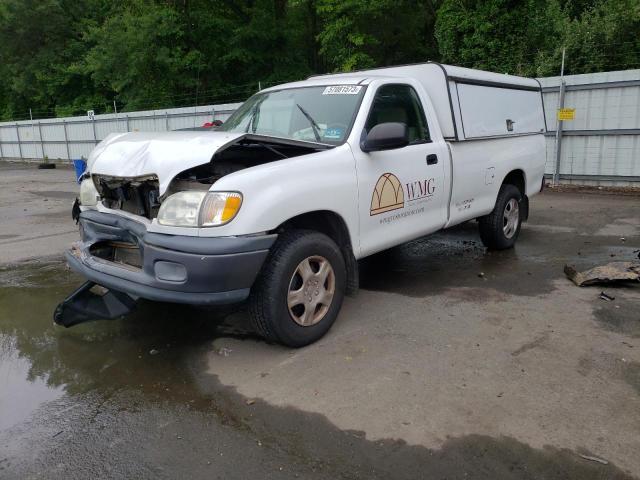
point(606, 297)
point(224, 352)
point(609, 273)
point(153, 351)
point(595, 459)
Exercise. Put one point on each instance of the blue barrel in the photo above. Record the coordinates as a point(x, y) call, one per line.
point(80, 166)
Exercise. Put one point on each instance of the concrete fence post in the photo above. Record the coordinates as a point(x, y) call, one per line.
point(40, 135)
point(66, 139)
point(1, 154)
point(166, 121)
point(18, 136)
point(93, 125)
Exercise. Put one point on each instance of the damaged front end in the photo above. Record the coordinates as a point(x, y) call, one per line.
point(139, 196)
point(123, 261)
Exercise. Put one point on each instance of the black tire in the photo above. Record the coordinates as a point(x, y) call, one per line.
point(492, 226)
point(268, 305)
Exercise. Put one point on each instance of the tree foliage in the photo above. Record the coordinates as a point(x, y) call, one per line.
point(61, 57)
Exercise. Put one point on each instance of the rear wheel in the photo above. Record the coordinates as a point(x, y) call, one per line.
point(500, 229)
point(300, 290)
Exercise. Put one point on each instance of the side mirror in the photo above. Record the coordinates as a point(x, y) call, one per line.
point(385, 136)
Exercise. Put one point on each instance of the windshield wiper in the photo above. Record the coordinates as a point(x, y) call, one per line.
point(255, 115)
point(314, 126)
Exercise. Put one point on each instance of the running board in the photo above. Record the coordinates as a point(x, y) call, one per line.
point(83, 305)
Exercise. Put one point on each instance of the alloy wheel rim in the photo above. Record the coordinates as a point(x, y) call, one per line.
point(510, 218)
point(311, 290)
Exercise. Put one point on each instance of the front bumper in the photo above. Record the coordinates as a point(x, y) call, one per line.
point(214, 271)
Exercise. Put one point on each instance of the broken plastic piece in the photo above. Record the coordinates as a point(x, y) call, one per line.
point(75, 211)
point(83, 305)
point(609, 273)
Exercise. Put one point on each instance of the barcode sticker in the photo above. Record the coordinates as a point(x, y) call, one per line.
point(342, 90)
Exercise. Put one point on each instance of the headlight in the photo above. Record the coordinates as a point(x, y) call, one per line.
point(181, 209)
point(89, 196)
point(199, 209)
point(219, 208)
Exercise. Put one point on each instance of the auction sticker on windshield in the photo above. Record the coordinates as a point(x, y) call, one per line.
point(342, 90)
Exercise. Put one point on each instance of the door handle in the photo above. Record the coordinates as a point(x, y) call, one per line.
point(432, 159)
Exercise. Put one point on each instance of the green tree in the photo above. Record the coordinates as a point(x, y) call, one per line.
point(139, 54)
point(360, 34)
point(510, 36)
point(605, 37)
point(62, 57)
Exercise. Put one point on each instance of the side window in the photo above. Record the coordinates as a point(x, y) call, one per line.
point(399, 103)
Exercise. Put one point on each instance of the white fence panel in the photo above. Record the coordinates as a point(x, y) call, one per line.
point(601, 146)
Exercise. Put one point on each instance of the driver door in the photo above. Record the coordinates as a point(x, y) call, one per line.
point(401, 190)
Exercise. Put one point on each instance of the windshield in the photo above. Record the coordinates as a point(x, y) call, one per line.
point(314, 114)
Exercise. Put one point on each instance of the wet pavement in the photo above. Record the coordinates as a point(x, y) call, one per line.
point(35, 211)
point(452, 362)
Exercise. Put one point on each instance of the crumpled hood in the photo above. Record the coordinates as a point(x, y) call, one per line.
point(163, 154)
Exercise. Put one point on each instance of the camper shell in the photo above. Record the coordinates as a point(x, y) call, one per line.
point(470, 104)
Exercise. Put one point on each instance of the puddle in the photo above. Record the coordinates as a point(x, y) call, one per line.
point(456, 258)
point(103, 355)
point(21, 392)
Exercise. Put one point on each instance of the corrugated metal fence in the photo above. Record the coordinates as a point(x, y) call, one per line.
point(600, 147)
point(63, 139)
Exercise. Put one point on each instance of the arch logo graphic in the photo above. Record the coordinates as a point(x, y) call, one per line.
point(387, 194)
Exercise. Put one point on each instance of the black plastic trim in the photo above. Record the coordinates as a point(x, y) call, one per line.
point(446, 80)
point(544, 113)
point(157, 294)
point(488, 83)
point(211, 245)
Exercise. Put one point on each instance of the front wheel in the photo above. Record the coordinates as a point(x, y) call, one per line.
point(300, 290)
point(500, 229)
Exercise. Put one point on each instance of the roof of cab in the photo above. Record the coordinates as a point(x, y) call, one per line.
point(451, 71)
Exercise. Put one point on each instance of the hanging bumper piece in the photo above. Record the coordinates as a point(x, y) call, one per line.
point(84, 305)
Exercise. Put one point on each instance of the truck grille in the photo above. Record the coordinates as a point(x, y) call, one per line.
point(139, 196)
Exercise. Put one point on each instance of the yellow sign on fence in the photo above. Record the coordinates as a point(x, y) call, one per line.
point(566, 114)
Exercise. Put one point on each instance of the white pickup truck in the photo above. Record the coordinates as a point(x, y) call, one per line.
point(302, 181)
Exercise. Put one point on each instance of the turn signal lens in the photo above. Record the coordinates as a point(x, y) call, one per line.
point(219, 208)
